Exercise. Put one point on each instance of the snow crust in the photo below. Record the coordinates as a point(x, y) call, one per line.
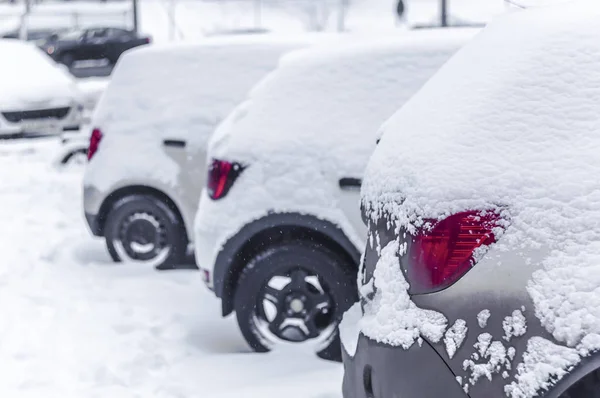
point(28, 75)
point(391, 317)
point(174, 92)
point(313, 121)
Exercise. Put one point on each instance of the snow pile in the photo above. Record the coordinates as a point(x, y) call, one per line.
point(27, 75)
point(313, 121)
point(514, 132)
point(176, 92)
point(391, 317)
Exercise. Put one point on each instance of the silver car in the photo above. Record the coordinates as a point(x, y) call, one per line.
point(481, 274)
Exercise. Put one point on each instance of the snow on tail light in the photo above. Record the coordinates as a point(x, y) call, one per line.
point(440, 256)
point(95, 139)
point(221, 176)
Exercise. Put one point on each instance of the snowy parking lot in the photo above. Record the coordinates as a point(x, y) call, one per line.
point(75, 324)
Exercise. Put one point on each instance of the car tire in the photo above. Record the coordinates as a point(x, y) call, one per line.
point(67, 60)
point(77, 156)
point(295, 262)
point(144, 229)
point(588, 387)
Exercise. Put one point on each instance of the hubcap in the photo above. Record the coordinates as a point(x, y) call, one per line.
point(143, 236)
point(295, 306)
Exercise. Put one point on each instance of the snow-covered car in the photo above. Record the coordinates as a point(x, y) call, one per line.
point(36, 95)
point(481, 275)
point(147, 151)
point(278, 230)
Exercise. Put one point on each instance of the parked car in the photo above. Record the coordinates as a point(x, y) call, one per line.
point(149, 134)
point(480, 275)
point(36, 96)
point(91, 44)
point(278, 231)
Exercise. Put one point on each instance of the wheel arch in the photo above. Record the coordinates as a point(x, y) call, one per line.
point(267, 232)
point(130, 190)
point(583, 370)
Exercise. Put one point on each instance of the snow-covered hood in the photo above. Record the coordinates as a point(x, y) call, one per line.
point(29, 79)
point(324, 104)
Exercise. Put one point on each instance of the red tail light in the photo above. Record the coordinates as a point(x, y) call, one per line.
point(221, 176)
point(441, 256)
point(95, 139)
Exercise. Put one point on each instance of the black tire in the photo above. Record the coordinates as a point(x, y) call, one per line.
point(588, 387)
point(67, 60)
point(337, 280)
point(73, 155)
point(145, 220)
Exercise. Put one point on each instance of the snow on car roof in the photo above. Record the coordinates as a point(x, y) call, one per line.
point(185, 90)
point(176, 92)
point(326, 102)
point(511, 120)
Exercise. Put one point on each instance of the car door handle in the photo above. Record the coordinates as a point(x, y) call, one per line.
point(350, 182)
point(174, 143)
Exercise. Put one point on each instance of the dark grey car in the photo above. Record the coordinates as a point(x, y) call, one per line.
point(481, 274)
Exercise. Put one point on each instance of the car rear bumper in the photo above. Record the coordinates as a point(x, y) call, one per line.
point(379, 370)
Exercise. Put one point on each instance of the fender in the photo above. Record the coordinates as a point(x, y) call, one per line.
point(585, 367)
point(240, 248)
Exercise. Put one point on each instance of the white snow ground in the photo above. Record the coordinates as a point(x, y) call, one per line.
point(74, 324)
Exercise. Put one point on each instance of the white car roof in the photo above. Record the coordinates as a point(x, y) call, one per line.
point(327, 101)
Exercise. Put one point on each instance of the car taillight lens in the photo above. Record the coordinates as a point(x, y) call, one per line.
point(442, 255)
point(95, 139)
point(221, 176)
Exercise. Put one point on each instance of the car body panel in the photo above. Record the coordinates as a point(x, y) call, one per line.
point(418, 372)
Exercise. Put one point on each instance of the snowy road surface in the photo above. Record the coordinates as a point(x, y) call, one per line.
point(73, 324)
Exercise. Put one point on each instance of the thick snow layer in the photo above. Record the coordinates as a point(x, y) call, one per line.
point(517, 133)
point(29, 77)
point(74, 324)
point(313, 121)
point(391, 317)
point(176, 92)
